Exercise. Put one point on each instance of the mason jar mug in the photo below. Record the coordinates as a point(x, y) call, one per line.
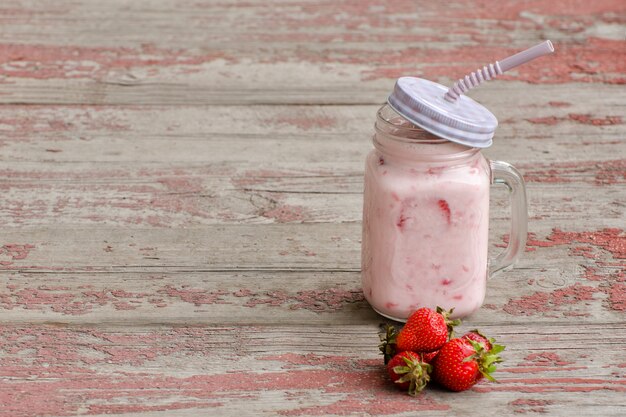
point(426, 220)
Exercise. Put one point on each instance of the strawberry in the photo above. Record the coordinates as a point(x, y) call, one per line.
point(388, 342)
point(425, 330)
point(462, 362)
point(477, 336)
point(428, 357)
point(409, 372)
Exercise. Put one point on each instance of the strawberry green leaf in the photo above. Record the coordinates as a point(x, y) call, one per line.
point(450, 323)
point(486, 360)
point(388, 342)
point(405, 378)
point(495, 349)
point(401, 369)
point(489, 377)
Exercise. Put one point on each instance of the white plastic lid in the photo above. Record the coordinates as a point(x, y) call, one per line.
point(463, 121)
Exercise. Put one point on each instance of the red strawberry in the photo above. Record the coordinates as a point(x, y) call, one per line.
point(428, 357)
point(408, 371)
point(477, 336)
point(388, 342)
point(461, 363)
point(425, 330)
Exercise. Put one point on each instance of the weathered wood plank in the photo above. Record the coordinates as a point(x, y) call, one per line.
point(175, 166)
point(533, 120)
point(344, 23)
point(276, 273)
point(179, 201)
point(295, 52)
point(318, 246)
point(304, 370)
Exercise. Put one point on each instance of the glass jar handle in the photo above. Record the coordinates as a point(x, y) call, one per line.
point(505, 173)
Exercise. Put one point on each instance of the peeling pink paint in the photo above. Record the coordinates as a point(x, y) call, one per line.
point(70, 301)
point(601, 142)
point(346, 17)
point(309, 359)
point(59, 378)
point(559, 104)
point(47, 61)
point(579, 60)
point(579, 118)
point(285, 213)
point(62, 373)
point(546, 384)
point(511, 9)
point(123, 305)
point(548, 120)
point(595, 121)
point(527, 405)
point(592, 61)
point(549, 301)
point(28, 123)
point(539, 369)
point(66, 300)
point(559, 388)
point(244, 292)
point(133, 408)
point(16, 251)
point(373, 404)
point(612, 240)
point(617, 296)
point(584, 251)
point(171, 197)
point(194, 296)
point(609, 172)
point(182, 184)
point(545, 359)
point(331, 299)
point(178, 197)
point(87, 174)
point(605, 277)
point(11, 252)
point(33, 299)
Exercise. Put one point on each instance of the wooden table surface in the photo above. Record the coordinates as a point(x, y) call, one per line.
point(181, 204)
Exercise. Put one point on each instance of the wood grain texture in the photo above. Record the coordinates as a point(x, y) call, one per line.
point(291, 370)
point(283, 274)
point(304, 51)
point(190, 166)
point(181, 204)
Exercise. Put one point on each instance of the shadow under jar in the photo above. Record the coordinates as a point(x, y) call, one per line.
point(426, 220)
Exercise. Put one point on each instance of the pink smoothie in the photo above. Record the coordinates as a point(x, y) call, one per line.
point(425, 227)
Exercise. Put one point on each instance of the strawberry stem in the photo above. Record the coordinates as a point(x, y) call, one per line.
point(486, 359)
point(450, 323)
point(416, 372)
point(388, 342)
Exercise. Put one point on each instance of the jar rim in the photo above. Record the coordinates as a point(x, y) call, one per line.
point(414, 135)
point(412, 130)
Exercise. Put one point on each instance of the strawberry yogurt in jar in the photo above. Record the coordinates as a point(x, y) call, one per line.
point(426, 197)
point(426, 203)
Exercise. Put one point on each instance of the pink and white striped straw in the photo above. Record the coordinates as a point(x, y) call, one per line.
point(486, 73)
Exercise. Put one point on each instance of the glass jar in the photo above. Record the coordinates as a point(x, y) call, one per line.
point(426, 221)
